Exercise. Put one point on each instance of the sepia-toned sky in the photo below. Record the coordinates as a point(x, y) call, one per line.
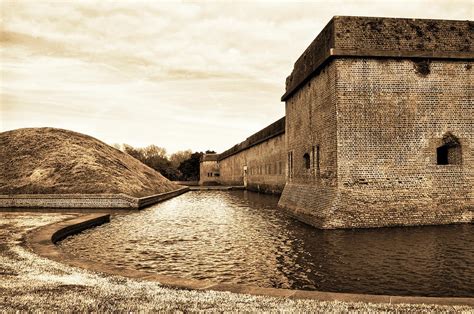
point(198, 75)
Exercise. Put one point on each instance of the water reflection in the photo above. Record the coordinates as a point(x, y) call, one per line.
point(242, 237)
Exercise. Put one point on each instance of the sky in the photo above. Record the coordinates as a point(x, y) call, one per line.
point(181, 75)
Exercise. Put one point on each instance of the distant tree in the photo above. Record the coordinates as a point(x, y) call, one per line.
point(154, 157)
point(180, 156)
point(134, 152)
point(190, 167)
point(154, 151)
point(182, 165)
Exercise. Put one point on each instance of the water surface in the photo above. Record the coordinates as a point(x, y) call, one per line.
point(242, 237)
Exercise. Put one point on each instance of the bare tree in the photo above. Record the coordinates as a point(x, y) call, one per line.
point(180, 156)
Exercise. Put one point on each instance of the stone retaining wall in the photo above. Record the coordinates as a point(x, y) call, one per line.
point(187, 183)
point(116, 201)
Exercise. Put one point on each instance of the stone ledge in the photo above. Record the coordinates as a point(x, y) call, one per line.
point(149, 200)
point(217, 188)
point(116, 201)
point(41, 241)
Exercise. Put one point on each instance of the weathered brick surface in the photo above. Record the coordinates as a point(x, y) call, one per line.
point(379, 36)
point(270, 131)
point(378, 33)
point(389, 120)
point(310, 203)
point(311, 121)
point(257, 163)
point(366, 116)
point(266, 166)
point(209, 170)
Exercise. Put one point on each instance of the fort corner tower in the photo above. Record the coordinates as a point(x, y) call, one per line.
point(379, 124)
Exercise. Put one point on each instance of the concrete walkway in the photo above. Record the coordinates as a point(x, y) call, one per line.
point(29, 282)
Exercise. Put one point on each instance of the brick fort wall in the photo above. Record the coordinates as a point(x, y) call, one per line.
point(379, 127)
point(379, 109)
point(264, 165)
point(258, 163)
point(209, 170)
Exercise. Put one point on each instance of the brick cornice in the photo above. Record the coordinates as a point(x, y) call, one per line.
point(371, 53)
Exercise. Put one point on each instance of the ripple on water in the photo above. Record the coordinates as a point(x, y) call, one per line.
point(242, 237)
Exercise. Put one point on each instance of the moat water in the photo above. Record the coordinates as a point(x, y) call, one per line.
point(242, 237)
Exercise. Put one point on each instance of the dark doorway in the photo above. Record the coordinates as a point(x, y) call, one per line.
point(442, 155)
point(450, 153)
point(307, 161)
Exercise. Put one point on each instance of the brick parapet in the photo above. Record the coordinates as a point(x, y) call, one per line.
point(209, 157)
point(346, 36)
point(275, 129)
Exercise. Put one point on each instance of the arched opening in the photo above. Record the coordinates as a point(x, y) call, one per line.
point(307, 161)
point(449, 153)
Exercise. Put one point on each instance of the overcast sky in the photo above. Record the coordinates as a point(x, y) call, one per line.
point(198, 75)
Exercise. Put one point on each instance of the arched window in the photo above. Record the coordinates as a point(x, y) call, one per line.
point(307, 161)
point(449, 153)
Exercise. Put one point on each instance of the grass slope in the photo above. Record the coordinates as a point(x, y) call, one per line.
point(57, 161)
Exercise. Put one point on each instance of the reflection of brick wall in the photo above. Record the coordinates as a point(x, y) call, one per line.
point(378, 117)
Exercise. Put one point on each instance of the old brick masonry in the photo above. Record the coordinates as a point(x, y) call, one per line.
point(378, 131)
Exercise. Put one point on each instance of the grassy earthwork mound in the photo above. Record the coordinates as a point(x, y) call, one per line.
point(57, 161)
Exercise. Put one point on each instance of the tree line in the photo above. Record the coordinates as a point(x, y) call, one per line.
point(180, 166)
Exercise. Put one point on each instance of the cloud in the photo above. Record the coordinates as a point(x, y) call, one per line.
point(178, 74)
